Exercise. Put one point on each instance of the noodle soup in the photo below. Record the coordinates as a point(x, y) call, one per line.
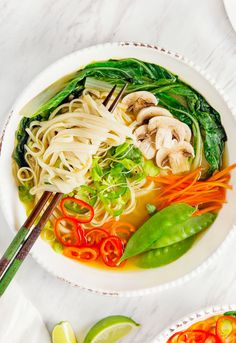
point(139, 184)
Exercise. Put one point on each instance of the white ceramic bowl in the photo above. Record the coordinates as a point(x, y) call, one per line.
point(192, 318)
point(114, 282)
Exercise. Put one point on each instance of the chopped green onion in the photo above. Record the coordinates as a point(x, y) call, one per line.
point(151, 208)
point(48, 235)
point(48, 225)
point(57, 247)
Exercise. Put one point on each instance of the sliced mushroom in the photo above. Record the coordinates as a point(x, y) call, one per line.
point(137, 100)
point(164, 138)
point(146, 142)
point(147, 147)
point(168, 130)
point(148, 112)
point(141, 132)
point(176, 158)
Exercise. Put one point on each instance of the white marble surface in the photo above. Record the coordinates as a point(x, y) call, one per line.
point(34, 34)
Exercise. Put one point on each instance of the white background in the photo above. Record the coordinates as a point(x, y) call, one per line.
point(35, 33)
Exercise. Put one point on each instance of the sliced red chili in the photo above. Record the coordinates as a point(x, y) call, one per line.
point(76, 208)
point(190, 336)
point(69, 231)
point(174, 337)
point(206, 325)
point(107, 226)
point(212, 338)
point(194, 336)
point(96, 236)
point(83, 254)
point(123, 230)
point(111, 250)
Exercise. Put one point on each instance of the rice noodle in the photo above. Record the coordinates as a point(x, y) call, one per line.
point(59, 151)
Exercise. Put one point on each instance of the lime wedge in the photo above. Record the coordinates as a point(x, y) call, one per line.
point(110, 329)
point(63, 333)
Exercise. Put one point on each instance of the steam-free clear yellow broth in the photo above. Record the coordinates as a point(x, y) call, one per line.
point(140, 214)
point(160, 151)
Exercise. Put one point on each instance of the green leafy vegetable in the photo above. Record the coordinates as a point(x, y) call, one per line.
point(179, 232)
point(101, 86)
point(21, 140)
point(162, 256)
point(97, 172)
point(45, 97)
point(155, 227)
point(184, 103)
point(214, 134)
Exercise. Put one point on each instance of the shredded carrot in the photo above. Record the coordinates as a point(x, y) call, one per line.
point(207, 209)
point(184, 190)
point(217, 175)
point(210, 195)
point(186, 177)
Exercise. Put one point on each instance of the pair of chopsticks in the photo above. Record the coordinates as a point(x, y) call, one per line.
point(25, 237)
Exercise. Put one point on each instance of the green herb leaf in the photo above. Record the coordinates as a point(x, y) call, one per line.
point(97, 172)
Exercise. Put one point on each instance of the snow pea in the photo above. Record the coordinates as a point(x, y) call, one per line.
point(181, 231)
point(162, 256)
point(154, 227)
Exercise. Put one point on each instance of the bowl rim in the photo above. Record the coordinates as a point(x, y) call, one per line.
point(190, 319)
point(187, 277)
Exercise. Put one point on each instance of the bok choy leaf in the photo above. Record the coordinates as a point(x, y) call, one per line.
point(184, 103)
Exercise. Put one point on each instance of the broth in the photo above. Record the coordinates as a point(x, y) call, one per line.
point(99, 160)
